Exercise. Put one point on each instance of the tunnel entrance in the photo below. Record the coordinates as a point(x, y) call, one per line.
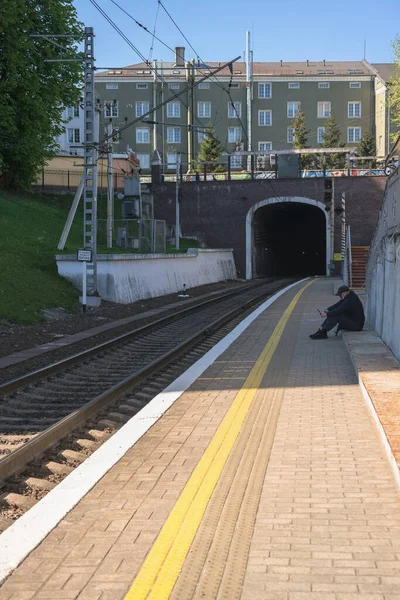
point(289, 239)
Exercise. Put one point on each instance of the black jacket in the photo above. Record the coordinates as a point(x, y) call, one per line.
point(351, 307)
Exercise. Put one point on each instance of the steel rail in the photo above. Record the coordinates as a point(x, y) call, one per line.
point(15, 462)
point(16, 384)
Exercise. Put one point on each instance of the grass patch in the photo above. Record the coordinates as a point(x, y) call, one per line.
point(30, 228)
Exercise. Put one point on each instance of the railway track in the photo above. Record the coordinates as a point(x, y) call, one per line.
point(52, 419)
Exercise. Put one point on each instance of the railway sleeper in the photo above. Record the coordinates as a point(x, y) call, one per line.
point(109, 424)
point(19, 500)
point(72, 455)
point(57, 468)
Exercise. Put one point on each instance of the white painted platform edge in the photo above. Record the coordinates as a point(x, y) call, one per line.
point(21, 538)
point(381, 432)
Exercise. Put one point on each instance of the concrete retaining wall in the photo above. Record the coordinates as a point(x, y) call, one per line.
point(383, 271)
point(126, 278)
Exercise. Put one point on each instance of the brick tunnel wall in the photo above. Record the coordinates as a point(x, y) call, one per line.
point(215, 212)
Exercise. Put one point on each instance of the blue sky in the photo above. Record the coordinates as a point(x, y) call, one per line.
point(281, 30)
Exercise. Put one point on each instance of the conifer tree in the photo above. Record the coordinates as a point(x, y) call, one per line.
point(300, 136)
point(210, 151)
point(367, 147)
point(332, 137)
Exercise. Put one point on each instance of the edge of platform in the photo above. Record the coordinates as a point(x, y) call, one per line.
point(372, 410)
point(21, 538)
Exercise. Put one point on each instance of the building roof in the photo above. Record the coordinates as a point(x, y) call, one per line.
point(385, 70)
point(267, 69)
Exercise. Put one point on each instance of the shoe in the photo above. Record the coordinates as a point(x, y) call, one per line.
point(321, 334)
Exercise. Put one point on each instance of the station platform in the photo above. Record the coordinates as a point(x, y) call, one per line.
point(269, 478)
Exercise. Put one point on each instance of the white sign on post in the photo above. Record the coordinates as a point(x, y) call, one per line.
point(84, 256)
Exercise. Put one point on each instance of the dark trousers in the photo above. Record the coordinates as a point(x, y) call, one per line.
point(343, 322)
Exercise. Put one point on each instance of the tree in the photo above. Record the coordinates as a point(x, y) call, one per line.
point(332, 136)
point(300, 137)
point(394, 98)
point(33, 92)
point(367, 147)
point(210, 151)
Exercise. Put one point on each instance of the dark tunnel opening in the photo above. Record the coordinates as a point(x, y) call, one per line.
point(289, 240)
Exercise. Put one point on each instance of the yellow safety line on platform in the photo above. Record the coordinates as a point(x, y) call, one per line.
point(162, 566)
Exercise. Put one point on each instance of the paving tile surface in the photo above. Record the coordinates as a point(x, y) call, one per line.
point(328, 520)
point(328, 525)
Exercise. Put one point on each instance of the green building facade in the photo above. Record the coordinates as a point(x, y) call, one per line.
point(260, 120)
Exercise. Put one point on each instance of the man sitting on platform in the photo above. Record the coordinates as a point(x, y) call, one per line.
point(347, 314)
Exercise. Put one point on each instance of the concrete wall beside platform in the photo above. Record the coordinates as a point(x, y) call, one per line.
point(126, 278)
point(383, 271)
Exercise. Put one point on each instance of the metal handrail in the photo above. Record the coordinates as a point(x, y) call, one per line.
point(348, 249)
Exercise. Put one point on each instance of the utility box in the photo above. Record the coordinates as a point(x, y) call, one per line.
point(130, 209)
point(288, 166)
point(132, 186)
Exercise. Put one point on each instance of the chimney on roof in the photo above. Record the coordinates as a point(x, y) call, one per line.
point(324, 62)
point(179, 56)
point(307, 64)
point(281, 62)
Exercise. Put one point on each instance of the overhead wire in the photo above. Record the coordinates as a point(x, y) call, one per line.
point(227, 90)
point(154, 34)
point(126, 39)
point(120, 32)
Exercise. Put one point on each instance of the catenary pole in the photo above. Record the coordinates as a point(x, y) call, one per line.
point(90, 163)
point(110, 188)
point(177, 215)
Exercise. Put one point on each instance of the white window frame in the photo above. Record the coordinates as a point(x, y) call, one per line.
point(111, 86)
point(142, 86)
point(173, 86)
point(264, 113)
point(293, 85)
point(139, 110)
point(173, 135)
point(145, 163)
point(324, 85)
point(234, 135)
point(171, 164)
point(111, 110)
point(236, 161)
point(204, 107)
point(262, 89)
point(173, 110)
point(142, 132)
point(322, 105)
point(320, 134)
point(200, 136)
point(74, 135)
point(73, 111)
point(355, 85)
point(353, 130)
point(293, 108)
point(353, 109)
point(235, 113)
point(204, 86)
point(261, 149)
point(290, 135)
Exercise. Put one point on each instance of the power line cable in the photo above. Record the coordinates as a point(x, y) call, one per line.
point(198, 68)
point(154, 34)
point(175, 95)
